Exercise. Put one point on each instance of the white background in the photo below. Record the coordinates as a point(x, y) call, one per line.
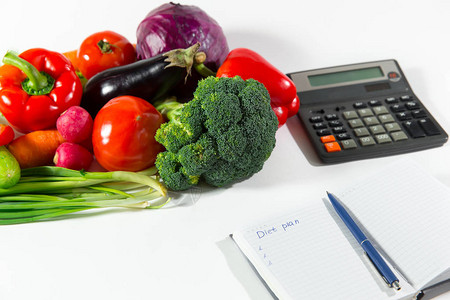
point(183, 251)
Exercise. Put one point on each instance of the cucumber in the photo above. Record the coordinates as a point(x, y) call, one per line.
point(9, 169)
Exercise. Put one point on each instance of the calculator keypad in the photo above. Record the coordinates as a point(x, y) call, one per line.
point(373, 122)
point(349, 144)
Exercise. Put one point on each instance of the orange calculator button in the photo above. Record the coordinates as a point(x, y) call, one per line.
point(327, 138)
point(332, 147)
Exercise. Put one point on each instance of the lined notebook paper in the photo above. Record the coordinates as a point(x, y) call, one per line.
point(310, 254)
point(408, 216)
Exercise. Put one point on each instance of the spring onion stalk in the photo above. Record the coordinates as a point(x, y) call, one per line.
point(52, 192)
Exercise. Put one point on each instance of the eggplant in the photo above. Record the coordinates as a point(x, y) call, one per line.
point(150, 79)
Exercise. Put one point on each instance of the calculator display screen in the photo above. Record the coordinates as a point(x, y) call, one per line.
point(345, 76)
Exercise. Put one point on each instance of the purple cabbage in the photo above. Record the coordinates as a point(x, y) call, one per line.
point(173, 26)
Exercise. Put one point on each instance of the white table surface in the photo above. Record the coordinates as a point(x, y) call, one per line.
point(183, 251)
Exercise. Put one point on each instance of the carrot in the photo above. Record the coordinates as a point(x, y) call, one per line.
point(36, 148)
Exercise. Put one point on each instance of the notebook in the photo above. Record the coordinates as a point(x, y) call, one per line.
point(310, 254)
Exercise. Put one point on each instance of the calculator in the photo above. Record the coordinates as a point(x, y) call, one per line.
point(364, 110)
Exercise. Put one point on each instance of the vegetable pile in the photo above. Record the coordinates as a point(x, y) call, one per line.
point(116, 124)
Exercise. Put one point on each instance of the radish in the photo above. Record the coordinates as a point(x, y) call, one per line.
point(75, 124)
point(72, 156)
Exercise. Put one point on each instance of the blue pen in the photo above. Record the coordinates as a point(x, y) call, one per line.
point(379, 263)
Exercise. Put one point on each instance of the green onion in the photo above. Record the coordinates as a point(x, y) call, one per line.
point(51, 192)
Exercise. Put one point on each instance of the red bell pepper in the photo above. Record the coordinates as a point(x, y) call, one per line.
point(36, 87)
point(248, 64)
point(6, 134)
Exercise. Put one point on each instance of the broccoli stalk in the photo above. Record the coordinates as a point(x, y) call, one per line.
point(170, 108)
point(222, 136)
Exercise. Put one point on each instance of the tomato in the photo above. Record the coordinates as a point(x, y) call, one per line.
point(123, 136)
point(104, 50)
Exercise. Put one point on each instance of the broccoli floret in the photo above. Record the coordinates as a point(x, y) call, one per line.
point(198, 157)
point(222, 110)
point(173, 173)
point(232, 143)
point(175, 134)
point(185, 124)
point(222, 136)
